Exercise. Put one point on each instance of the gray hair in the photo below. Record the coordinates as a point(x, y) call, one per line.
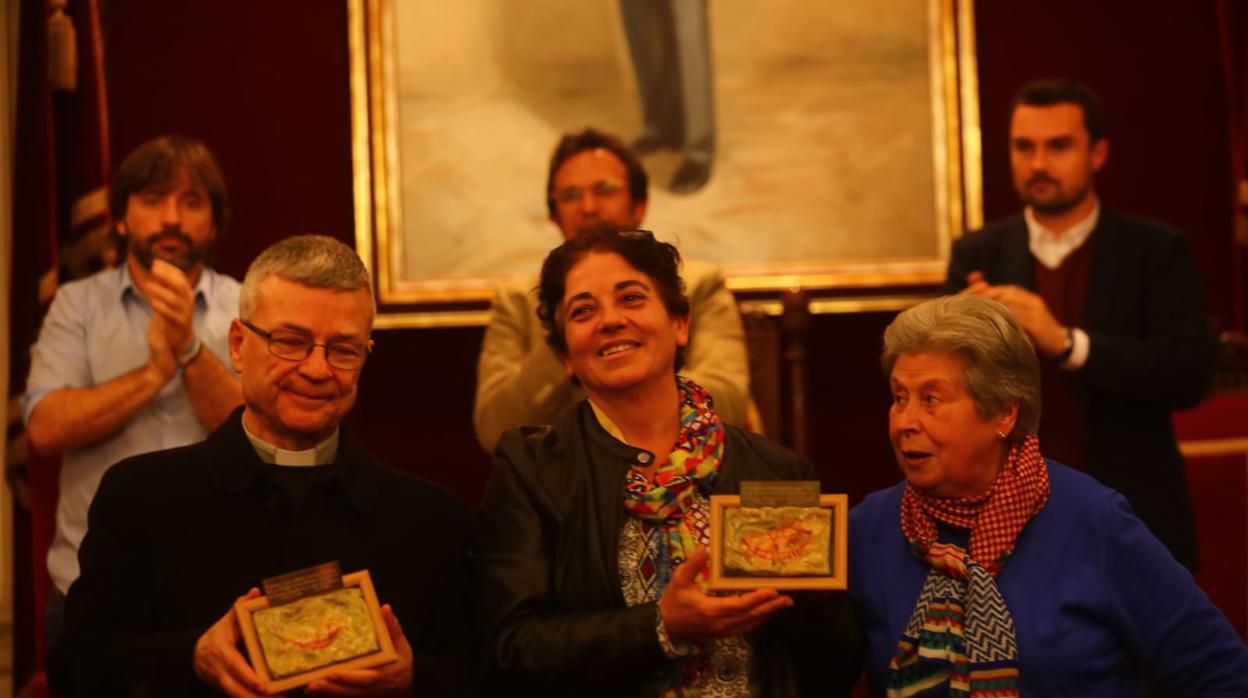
point(317, 261)
point(999, 364)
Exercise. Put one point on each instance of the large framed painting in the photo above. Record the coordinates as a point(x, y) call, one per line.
point(844, 138)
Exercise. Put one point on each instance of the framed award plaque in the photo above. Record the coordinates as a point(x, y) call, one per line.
point(779, 535)
point(311, 623)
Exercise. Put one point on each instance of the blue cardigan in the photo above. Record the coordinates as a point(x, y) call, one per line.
point(1095, 598)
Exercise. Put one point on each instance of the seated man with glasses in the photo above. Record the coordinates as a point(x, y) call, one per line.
point(175, 537)
point(595, 182)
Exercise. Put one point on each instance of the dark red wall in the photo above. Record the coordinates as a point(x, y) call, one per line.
point(265, 84)
point(1156, 66)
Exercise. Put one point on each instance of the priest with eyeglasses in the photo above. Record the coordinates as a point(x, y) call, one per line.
point(175, 538)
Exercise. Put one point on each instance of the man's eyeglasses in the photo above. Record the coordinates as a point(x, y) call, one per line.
point(602, 189)
point(296, 347)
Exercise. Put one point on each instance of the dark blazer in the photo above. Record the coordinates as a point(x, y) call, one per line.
point(1151, 353)
point(176, 536)
point(555, 619)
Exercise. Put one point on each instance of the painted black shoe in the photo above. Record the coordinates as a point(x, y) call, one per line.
point(690, 176)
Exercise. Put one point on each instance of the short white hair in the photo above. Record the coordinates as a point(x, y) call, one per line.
point(318, 261)
point(999, 364)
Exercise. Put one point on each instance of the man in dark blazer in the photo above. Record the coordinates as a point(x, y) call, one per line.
point(176, 537)
point(1112, 302)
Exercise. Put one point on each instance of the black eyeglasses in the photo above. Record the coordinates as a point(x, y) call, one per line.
point(293, 346)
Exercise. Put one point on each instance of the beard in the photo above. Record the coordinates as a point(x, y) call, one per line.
point(145, 250)
point(1059, 201)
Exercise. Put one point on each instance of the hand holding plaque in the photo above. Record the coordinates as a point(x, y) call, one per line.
point(217, 661)
point(692, 615)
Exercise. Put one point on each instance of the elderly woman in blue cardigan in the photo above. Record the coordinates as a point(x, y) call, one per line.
point(992, 571)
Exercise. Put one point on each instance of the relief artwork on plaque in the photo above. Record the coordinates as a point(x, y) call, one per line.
point(778, 541)
point(783, 535)
point(315, 631)
point(311, 623)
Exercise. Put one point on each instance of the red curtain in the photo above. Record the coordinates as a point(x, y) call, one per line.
point(60, 230)
point(1233, 28)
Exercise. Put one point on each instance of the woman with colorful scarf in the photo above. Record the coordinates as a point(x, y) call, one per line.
point(593, 533)
point(993, 572)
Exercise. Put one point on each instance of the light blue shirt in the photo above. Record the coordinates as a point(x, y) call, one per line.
point(95, 331)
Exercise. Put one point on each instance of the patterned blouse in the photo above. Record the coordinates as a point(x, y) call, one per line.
point(645, 571)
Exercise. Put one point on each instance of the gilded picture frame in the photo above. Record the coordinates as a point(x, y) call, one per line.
point(851, 192)
point(724, 544)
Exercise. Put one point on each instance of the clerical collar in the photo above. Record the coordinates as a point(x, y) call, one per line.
point(1050, 249)
point(322, 454)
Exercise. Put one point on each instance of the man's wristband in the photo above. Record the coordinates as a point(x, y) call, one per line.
point(1069, 347)
point(192, 352)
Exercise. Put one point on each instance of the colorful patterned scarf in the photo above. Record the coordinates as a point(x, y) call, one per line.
point(692, 465)
point(961, 633)
point(666, 503)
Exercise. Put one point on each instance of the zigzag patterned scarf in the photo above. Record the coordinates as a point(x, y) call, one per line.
point(961, 634)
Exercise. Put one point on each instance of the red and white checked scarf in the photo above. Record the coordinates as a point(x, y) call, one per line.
point(994, 518)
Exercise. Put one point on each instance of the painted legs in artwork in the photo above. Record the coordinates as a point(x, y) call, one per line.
point(669, 41)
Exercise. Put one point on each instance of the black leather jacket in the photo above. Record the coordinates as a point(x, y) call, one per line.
point(552, 608)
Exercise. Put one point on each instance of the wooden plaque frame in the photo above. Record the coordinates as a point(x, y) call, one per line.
point(838, 503)
point(245, 609)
